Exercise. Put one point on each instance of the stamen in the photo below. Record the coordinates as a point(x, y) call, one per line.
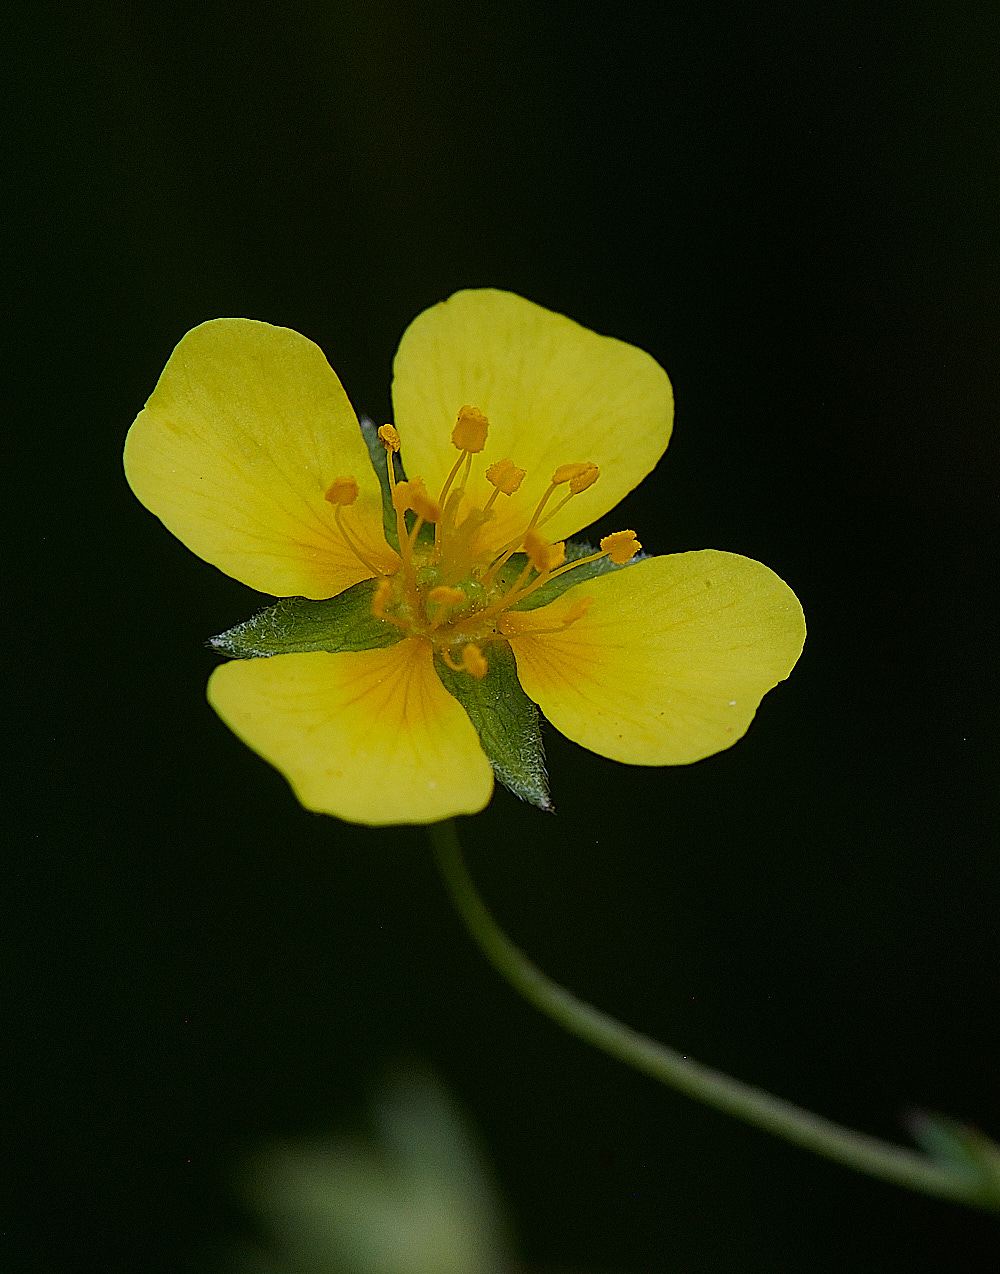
point(579, 477)
point(469, 435)
point(413, 495)
point(450, 479)
point(620, 546)
point(343, 492)
point(401, 496)
point(390, 440)
point(423, 506)
point(510, 548)
point(505, 476)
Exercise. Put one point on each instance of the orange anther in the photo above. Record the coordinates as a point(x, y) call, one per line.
point(620, 546)
point(505, 476)
point(469, 433)
point(445, 595)
point(413, 495)
point(588, 475)
point(389, 437)
point(543, 555)
point(423, 505)
point(473, 661)
point(579, 476)
point(343, 491)
point(382, 595)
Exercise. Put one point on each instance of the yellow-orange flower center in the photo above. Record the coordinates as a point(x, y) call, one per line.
point(453, 591)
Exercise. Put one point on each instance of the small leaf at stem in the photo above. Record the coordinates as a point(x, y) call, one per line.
point(963, 1150)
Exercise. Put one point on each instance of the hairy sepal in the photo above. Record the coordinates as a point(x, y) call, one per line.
point(506, 720)
point(297, 624)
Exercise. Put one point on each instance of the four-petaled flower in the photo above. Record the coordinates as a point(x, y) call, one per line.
point(389, 694)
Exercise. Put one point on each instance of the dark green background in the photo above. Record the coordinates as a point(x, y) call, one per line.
point(794, 209)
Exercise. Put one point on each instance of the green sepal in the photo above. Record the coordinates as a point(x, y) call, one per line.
point(556, 587)
point(506, 720)
point(296, 624)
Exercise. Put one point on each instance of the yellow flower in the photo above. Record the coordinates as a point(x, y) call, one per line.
point(521, 428)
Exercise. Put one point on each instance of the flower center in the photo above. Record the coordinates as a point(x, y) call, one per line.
point(453, 589)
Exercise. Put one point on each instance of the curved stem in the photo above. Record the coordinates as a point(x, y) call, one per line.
point(855, 1150)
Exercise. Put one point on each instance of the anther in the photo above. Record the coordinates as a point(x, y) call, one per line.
point(445, 595)
point(580, 476)
point(470, 430)
point(473, 661)
point(379, 600)
point(423, 505)
point(586, 478)
point(413, 495)
point(389, 437)
point(620, 546)
point(505, 476)
point(543, 555)
point(343, 491)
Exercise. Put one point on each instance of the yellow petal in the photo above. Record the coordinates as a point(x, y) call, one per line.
point(554, 393)
point(371, 737)
point(670, 661)
point(243, 436)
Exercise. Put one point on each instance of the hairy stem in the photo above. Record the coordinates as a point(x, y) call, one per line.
point(856, 1150)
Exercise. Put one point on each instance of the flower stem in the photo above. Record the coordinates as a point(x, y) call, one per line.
point(856, 1150)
